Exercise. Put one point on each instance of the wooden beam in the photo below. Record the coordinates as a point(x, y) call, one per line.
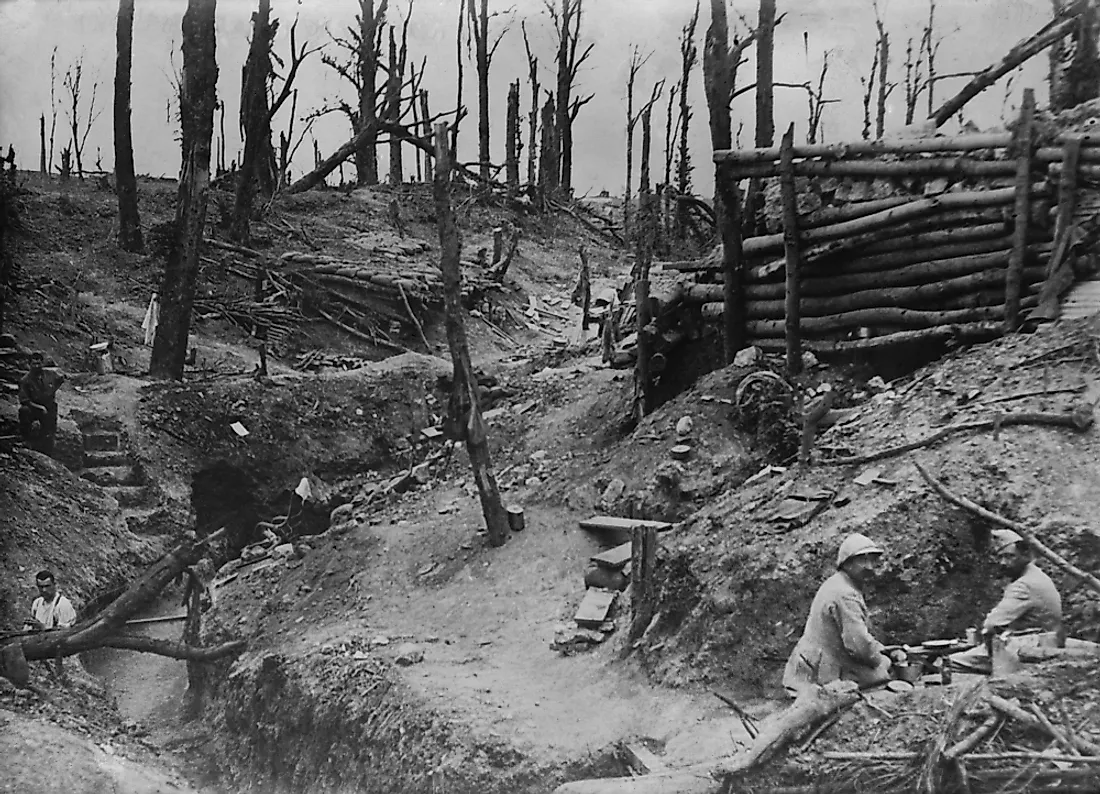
point(793, 254)
point(1014, 275)
point(960, 143)
point(954, 166)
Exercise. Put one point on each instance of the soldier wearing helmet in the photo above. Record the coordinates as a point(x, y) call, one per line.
point(837, 642)
point(1030, 609)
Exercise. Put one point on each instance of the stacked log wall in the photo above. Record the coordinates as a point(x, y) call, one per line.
point(930, 259)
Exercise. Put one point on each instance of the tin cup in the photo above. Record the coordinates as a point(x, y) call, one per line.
point(972, 637)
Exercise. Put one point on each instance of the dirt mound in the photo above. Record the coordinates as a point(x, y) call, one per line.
point(738, 580)
point(50, 518)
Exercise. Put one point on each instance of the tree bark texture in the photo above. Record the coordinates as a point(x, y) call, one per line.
point(511, 155)
point(366, 150)
point(1076, 79)
point(427, 132)
point(718, 85)
point(1022, 212)
point(129, 219)
point(791, 244)
point(198, 95)
point(689, 53)
point(469, 424)
point(533, 115)
point(254, 119)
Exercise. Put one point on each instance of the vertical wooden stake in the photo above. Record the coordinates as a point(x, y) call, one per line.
point(643, 559)
point(1014, 274)
point(791, 247)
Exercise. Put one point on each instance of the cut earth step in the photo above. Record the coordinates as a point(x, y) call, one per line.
point(112, 475)
point(129, 495)
point(115, 457)
point(100, 442)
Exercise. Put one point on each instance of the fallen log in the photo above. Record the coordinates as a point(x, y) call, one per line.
point(958, 143)
point(973, 739)
point(102, 630)
point(1023, 50)
point(814, 704)
point(910, 211)
point(929, 271)
point(941, 166)
point(879, 317)
point(696, 294)
point(1080, 419)
point(969, 332)
point(175, 650)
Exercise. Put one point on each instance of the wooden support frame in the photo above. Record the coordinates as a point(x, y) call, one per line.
point(791, 245)
point(1022, 213)
point(643, 560)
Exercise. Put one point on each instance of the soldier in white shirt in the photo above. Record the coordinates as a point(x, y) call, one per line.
point(50, 610)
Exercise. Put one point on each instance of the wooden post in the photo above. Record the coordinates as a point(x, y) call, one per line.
point(464, 411)
point(791, 247)
point(586, 289)
point(1059, 272)
point(643, 559)
point(498, 243)
point(1014, 274)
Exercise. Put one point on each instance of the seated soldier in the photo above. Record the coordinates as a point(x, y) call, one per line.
point(1030, 610)
point(38, 403)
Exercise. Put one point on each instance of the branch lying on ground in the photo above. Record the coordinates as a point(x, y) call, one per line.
point(175, 650)
point(1016, 527)
point(1080, 419)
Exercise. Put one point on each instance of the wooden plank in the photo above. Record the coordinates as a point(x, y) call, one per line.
point(618, 523)
point(1014, 274)
point(641, 759)
point(961, 143)
point(613, 558)
point(594, 607)
point(793, 253)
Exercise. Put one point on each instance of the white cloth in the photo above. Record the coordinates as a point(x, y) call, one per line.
point(55, 614)
point(152, 317)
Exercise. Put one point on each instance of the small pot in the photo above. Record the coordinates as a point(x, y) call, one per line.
point(908, 672)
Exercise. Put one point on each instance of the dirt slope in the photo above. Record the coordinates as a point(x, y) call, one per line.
point(739, 584)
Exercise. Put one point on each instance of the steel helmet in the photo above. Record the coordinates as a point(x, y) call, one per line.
point(1005, 537)
point(856, 545)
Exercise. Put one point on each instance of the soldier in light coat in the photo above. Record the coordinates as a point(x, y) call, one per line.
point(837, 642)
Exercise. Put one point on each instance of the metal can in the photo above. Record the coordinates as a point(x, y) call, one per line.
point(972, 637)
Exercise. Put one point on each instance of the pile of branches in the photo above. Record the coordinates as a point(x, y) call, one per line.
point(983, 742)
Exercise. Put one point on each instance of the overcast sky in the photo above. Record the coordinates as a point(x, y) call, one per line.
point(974, 34)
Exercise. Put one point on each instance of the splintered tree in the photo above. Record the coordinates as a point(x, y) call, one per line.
point(643, 257)
point(512, 142)
point(198, 95)
point(533, 117)
point(688, 55)
point(719, 72)
point(483, 58)
point(363, 47)
point(636, 63)
point(259, 171)
point(129, 220)
point(465, 413)
point(567, 31)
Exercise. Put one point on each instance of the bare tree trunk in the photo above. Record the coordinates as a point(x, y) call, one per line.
point(548, 158)
point(765, 91)
point(883, 89)
point(393, 108)
point(1077, 81)
point(643, 399)
point(533, 118)
point(718, 72)
point(129, 220)
point(426, 115)
point(511, 157)
point(636, 62)
point(366, 154)
point(1014, 274)
point(198, 95)
point(459, 110)
point(42, 146)
point(479, 26)
point(689, 54)
point(793, 255)
point(468, 422)
point(254, 120)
